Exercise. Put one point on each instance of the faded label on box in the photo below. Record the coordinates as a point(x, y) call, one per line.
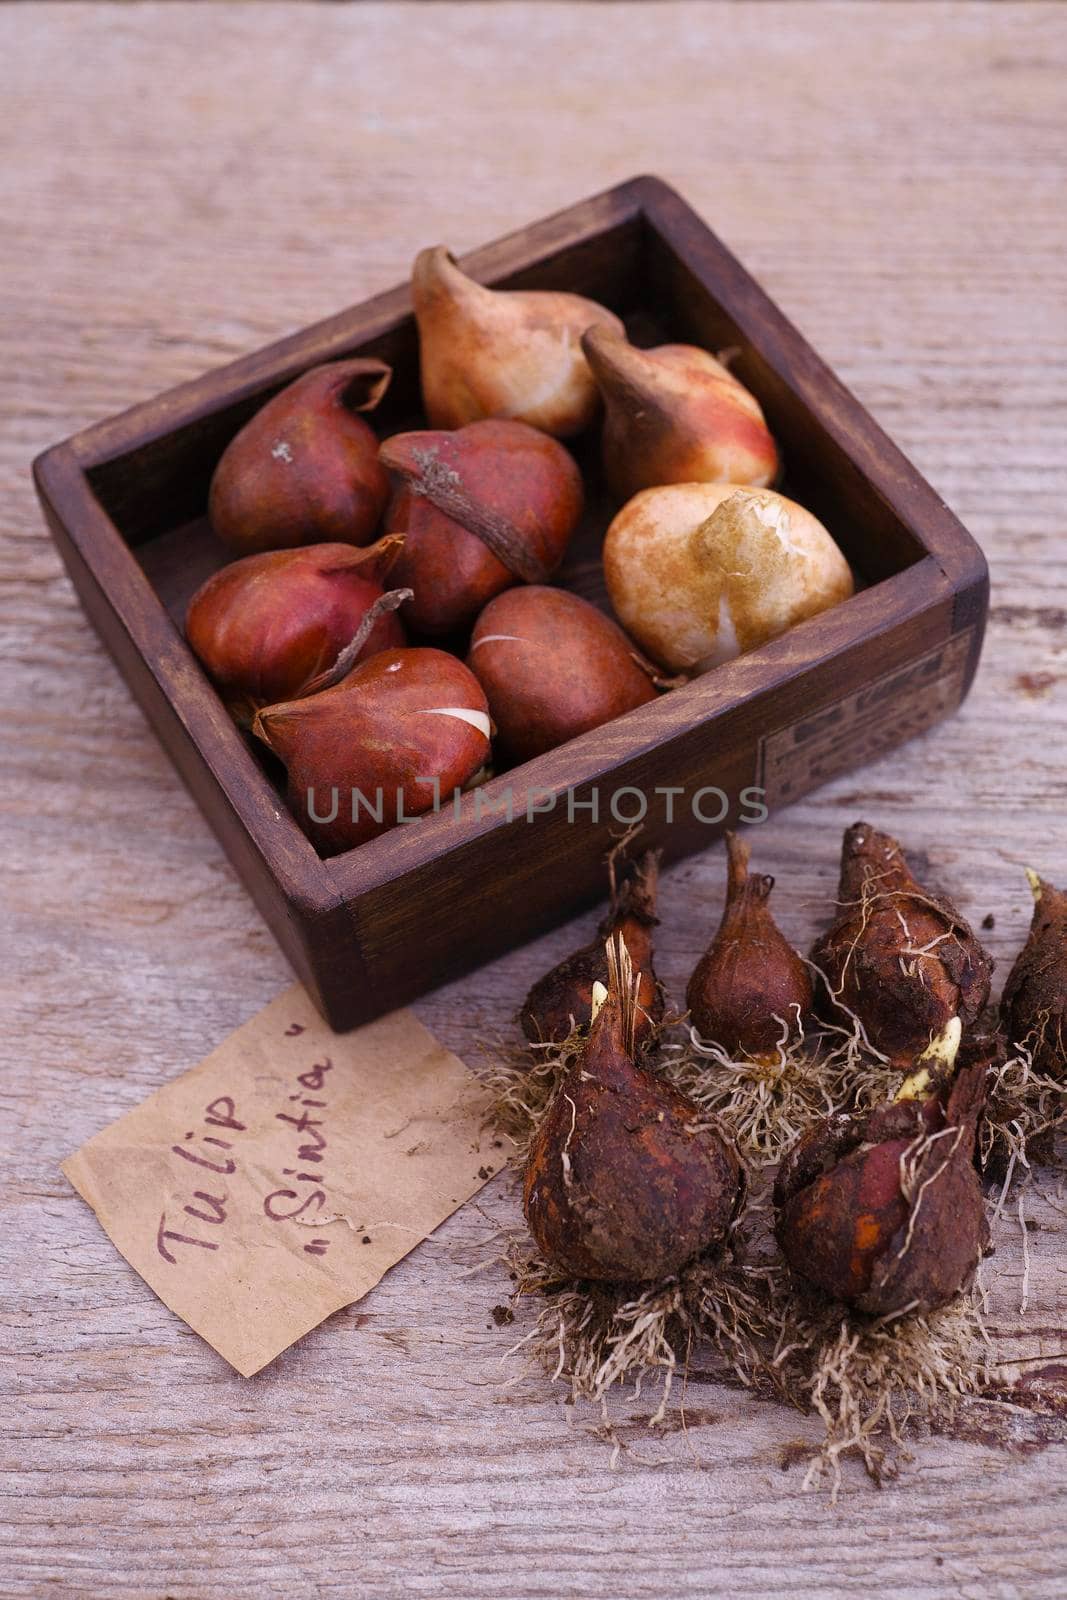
point(864, 725)
point(281, 1178)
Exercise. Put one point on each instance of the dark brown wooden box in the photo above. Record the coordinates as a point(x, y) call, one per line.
point(374, 928)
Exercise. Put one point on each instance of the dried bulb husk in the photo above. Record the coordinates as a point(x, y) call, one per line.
point(305, 469)
point(883, 1210)
point(553, 667)
point(562, 1000)
point(623, 1183)
point(750, 992)
point(901, 959)
point(397, 735)
point(698, 573)
point(674, 414)
point(502, 353)
point(273, 626)
point(487, 506)
point(1034, 1003)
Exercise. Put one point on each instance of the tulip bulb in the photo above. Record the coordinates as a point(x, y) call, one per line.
point(552, 667)
point(750, 992)
point(490, 505)
point(883, 1210)
point(674, 414)
point(698, 573)
point(1034, 1005)
point(502, 353)
point(563, 999)
point(898, 957)
point(624, 1181)
point(399, 733)
point(276, 626)
point(305, 470)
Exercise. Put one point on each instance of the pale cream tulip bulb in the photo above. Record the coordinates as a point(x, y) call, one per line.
point(698, 573)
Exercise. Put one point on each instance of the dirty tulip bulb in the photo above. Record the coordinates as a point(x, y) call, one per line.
point(899, 958)
point(490, 505)
point(399, 734)
point(552, 667)
point(276, 626)
point(502, 353)
point(674, 414)
point(305, 470)
point(698, 573)
point(624, 1181)
point(750, 992)
point(1034, 1006)
point(562, 1000)
point(883, 1210)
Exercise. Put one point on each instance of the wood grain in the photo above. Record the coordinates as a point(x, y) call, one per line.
point(184, 183)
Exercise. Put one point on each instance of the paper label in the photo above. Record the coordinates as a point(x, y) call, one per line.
point(864, 725)
point(281, 1178)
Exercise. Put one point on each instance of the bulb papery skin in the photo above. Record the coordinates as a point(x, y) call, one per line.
point(552, 667)
point(675, 414)
point(402, 731)
point(502, 353)
point(480, 509)
point(305, 469)
point(1034, 1003)
point(884, 1211)
point(750, 993)
point(699, 573)
point(266, 626)
point(564, 998)
point(624, 1181)
point(902, 959)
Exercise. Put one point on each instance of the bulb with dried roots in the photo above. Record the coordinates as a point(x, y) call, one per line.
point(625, 1182)
point(883, 1210)
point(562, 1000)
point(1034, 1004)
point(750, 991)
point(901, 959)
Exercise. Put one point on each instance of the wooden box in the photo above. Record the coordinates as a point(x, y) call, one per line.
point(377, 926)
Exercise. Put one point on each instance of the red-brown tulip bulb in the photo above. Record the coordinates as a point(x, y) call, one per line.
point(480, 509)
point(305, 469)
point(674, 414)
point(552, 667)
point(392, 740)
point(273, 626)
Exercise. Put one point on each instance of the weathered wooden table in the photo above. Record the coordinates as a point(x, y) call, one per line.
point(183, 183)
